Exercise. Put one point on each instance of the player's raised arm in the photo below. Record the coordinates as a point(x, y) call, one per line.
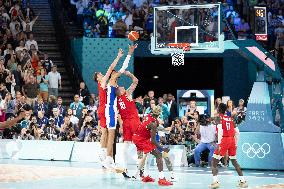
point(134, 84)
point(127, 59)
point(111, 67)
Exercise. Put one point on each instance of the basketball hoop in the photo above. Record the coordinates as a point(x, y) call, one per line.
point(178, 56)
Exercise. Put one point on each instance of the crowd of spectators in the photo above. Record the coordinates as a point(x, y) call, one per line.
point(115, 18)
point(28, 77)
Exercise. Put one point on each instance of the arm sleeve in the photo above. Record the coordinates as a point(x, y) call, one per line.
point(237, 134)
point(125, 64)
point(219, 133)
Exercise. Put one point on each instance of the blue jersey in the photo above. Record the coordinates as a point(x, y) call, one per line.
point(111, 108)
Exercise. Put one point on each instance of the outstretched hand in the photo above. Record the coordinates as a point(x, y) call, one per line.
point(132, 48)
point(120, 53)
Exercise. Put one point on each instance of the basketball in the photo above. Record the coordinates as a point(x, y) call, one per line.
point(133, 36)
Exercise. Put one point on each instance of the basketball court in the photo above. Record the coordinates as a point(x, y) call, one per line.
point(57, 175)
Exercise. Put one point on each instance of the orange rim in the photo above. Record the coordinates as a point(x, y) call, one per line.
point(184, 46)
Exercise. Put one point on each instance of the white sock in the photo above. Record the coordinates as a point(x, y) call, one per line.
point(172, 174)
point(161, 175)
point(103, 152)
point(124, 155)
point(242, 178)
point(215, 179)
point(110, 159)
point(147, 164)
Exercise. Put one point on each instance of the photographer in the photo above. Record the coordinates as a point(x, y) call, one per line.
point(67, 131)
point(207, 131)
point(86, 131)
point(52, 130)
point(176, 133)
point(26, 135)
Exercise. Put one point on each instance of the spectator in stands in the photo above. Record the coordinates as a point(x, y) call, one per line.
point(150, 97)
point(107, 6)
point(172, 107)
point(149, 109)
point(77, 106)
point(240, 112)
point(61, 108)
point(231, 108)
point(58, 119)
point(52, 103)
point(30, 42)
point(42, 120)
point(84, 95)
point(127, 19)
point(139, 105)
point(217, 102)
point(119, 28)
point(40, 105)
point(31, 90)
point(243, 29)
point(26, 122)
point(42, 80)
point(54, 81)
point(207, 132)
point(92, 108)
point(10, 111)
point(74, 120)
point(27, 24)
point(165, 112)
point(47, 63)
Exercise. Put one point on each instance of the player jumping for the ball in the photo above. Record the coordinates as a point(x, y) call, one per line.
point(111, 112)
point(102, 82)
point(129, 116)
point(145, 140)
point(227, 142)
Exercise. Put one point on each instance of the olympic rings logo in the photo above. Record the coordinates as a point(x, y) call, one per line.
point(256, 150)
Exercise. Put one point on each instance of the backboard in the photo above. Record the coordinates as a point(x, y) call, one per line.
point(199, 25)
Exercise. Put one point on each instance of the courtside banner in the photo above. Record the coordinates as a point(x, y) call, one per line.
point(86, 152)
point(9, 148)
point(260, 150)
point(45, 150)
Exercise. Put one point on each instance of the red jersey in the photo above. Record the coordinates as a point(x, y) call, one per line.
point(127, 108)
point(102, 99)
point(227, 126)
point(142, 130)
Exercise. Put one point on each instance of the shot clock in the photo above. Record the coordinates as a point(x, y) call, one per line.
point(260, 24)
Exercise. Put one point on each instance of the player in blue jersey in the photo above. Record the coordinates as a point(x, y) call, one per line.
point(111, 112)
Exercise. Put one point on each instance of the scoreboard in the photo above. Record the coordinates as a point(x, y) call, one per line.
point(260, 24)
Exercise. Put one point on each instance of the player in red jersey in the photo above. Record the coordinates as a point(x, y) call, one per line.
point(102, 82)
point(227, 142)
point(145, 140)
point(129, 116)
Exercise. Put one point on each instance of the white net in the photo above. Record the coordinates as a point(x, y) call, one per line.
point(177, 59)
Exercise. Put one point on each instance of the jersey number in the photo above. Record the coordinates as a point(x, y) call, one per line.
point(122, 105)
point(228, 125)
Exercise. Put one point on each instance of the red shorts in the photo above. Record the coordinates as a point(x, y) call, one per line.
point(228, 144)
point(102, 119)
point(143, 144)
point(129, 127)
